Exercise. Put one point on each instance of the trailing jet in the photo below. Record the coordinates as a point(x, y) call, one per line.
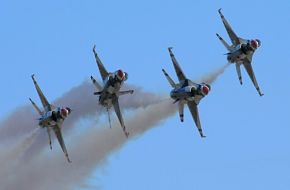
point(186, 92)
point(109, 92)
point(240, 52)
point(51, 118)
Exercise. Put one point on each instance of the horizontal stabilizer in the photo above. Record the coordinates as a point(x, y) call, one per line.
point(126, 92)
point(35, 106)
point(98, 86)
point(171, 82)
point(224, 42)
point(97, 93)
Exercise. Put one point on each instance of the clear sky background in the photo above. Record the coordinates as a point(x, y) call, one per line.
point(248, 137)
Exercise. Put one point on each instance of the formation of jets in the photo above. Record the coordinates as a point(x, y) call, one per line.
point(184, 92)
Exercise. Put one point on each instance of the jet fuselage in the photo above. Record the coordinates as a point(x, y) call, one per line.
point(190, 91)
point(239, 53)
point(112, 86)
point(51, 118)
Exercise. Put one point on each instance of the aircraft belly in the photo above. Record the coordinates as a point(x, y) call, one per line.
point(47, 122)
point(190, 98)
point(236, 56)
point(106, 100)
point(180, 95)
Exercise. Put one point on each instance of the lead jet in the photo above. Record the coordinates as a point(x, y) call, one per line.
point(186, 92)
point(240, 52)
point(109, 92)
point(51, 118)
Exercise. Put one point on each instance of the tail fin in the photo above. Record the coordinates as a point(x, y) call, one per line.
point(35, 106)
point(98, 86)
point(239, 73)
point(224, 42)
point(171, 82)
point(49, 137)
point(181, 110)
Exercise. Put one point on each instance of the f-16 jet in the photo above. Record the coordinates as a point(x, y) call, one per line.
point(186, 92)
point(240, 52)
point(110, 91)
point(51, 118)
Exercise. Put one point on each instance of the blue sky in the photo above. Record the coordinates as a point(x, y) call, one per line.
point(247, 144)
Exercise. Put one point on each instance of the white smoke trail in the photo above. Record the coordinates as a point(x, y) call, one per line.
point(80, 99)
point(212, 77)
point(91, 148)
point(11, 154)
point(83, 103)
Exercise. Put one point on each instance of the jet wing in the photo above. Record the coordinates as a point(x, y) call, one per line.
point(194, 112)
point(117, 109)
point(104, 73)
point(59, 137)
point(178, 70)
point(248, 66)
point(43, 99)
point(234, 38)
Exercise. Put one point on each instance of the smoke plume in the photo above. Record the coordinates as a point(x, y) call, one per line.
point(210, 78)
point(29, 164)
point(84, 105)
point(90, 148)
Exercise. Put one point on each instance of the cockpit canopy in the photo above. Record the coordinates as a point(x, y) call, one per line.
point(255, 43)
point(65, 111)
point(120, 75)
point(204, 89)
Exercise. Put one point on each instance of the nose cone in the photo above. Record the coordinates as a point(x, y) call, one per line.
point(172, 93)
point(255, 43)
point(205, 90)
point(68, 109)
point(65, 112)
point(120, 74)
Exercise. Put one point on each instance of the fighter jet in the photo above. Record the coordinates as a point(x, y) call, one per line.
point(51, 118)
point(109, 92)
point(186, 92)
point(240, 52)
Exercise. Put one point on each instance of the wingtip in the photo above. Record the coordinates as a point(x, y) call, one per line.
point(220, 10)
point(66, 155)
point(94, 49)
point(201, 133)
point(32, 76)
point(260, 93)
point(170, 51)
